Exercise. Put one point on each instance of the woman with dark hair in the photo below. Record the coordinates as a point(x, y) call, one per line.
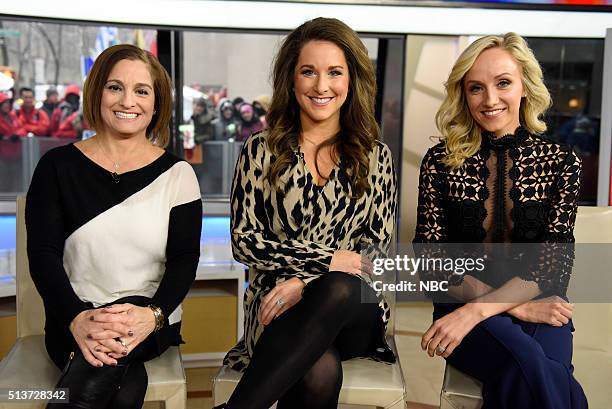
point(249, 121)
point(202, 118)
point(113, 228)
point(225, 126)
point(9, 123)
point(310, 195)
point(495, 179)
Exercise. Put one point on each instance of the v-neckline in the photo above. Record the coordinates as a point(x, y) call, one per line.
point(96, 164)
point(310, 175)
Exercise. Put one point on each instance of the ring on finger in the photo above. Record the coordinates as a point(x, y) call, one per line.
point(440, 349)
point(280, 302)
point(119, 340)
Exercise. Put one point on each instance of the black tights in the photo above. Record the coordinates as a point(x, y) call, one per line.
point(296, 360)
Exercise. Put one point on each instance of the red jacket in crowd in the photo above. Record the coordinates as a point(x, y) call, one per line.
point(35, 121)
point(65, 126)
point(9, 125)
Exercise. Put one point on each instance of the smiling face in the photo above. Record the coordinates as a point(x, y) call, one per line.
point(128, 99)
point(493, 90)
point(321, 83)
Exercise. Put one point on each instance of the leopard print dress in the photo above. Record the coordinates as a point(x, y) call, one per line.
point(295, 233)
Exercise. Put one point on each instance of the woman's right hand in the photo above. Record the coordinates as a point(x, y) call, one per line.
point(350, 262)
point(95, 339)
point(553, 311)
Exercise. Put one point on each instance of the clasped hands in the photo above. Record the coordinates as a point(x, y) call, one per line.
point(288, 293)
point(106, 334)
point(447, 332)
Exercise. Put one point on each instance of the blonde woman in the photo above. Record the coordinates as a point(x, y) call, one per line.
point(495, 179)
point(309, 195)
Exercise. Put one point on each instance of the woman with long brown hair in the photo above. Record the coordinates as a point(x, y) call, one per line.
point(310, 194)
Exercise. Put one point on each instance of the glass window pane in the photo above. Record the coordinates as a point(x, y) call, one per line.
point(225, 96)
point(36, 59)
point(573, 74)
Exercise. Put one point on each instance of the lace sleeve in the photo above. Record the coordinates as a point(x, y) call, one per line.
point(556, 255)
point(431, 220)
point(430, 240)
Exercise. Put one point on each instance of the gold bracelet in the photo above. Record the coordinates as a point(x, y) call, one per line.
point(159, 317)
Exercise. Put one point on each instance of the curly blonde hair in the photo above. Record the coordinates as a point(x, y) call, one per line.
point(454, 121)
point(358, 128)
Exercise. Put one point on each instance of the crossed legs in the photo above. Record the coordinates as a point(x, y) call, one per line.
point(297, 358)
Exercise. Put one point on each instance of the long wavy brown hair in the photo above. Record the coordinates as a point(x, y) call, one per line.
point(358, 128)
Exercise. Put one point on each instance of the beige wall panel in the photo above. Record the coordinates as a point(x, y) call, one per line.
point(8, 333)
point(428, 62)
point(209, 324)
point(239, 61)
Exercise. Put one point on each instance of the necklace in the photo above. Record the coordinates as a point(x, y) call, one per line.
point(309, 141)
point(116, 163)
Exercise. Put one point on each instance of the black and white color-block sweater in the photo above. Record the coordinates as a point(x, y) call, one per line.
point(93, 239)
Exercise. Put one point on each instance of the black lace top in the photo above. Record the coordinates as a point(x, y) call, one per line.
point(519, 188)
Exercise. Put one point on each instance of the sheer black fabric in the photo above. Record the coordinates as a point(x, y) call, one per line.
point(519, 188)
point(297, 358)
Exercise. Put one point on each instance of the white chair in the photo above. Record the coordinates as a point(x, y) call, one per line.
point(593, 225)
point(365, 382)
point(28, 366)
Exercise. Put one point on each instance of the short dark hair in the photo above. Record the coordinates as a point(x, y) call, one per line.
point(25, 89)
point(158, 130)
point(51, 91)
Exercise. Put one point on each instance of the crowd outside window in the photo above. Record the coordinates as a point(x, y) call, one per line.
point(225, 126)
point(249, 121)
point(261, 105)
point(51, 102)
point(9, 123)
point(202, 118)
point(34, 121)
point(67, 120)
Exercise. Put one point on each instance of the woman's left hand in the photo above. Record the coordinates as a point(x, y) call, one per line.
point(141, 321)
point(282, 297)
point(446, 333)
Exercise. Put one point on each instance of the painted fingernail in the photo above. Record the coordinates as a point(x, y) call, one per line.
point(131, 333)
point(97, 349)
point(113, 363)
point(91, 318)
point(99, 364)
point(89, 336)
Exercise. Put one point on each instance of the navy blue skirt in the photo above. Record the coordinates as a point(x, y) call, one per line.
point(520, 364)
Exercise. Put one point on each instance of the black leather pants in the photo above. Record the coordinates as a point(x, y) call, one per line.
point(117, 387)
point(89, 387)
